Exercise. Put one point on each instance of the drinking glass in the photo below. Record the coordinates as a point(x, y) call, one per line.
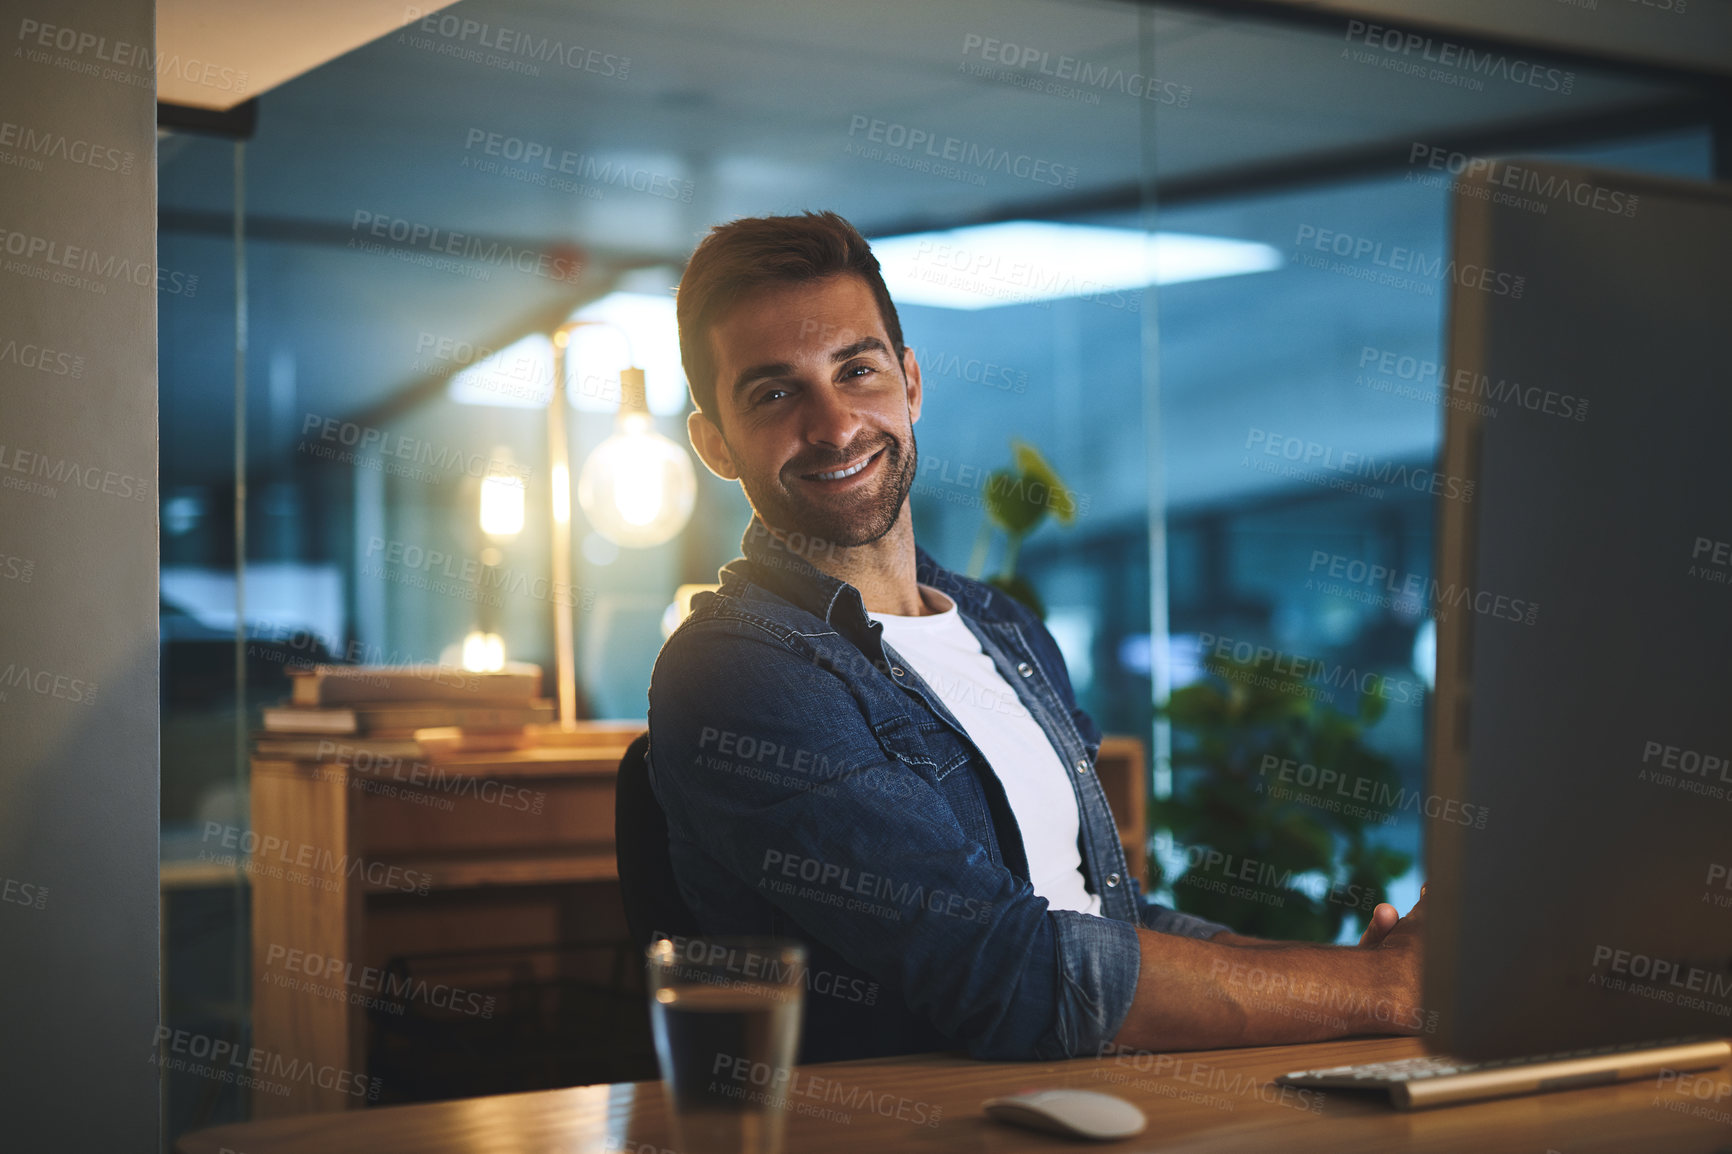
point(726, 1016)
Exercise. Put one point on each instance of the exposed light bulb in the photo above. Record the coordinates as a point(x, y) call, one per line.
point(637, 492)
point(638, 487)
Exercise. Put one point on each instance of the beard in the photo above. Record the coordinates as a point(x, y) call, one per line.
point(846, 519)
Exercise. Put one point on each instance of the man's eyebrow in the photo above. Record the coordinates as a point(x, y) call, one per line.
point(782, 368)
point(864, 344)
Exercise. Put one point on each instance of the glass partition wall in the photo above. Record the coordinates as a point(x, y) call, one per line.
point(1300, 416)
point(211, 667)
point(372, 479)
point(1156, 265)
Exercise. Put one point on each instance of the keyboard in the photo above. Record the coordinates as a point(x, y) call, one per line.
point(1434, 1080)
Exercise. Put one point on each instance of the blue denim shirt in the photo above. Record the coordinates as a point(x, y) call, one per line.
point(816, 788)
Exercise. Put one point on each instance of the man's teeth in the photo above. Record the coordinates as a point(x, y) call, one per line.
point(840, 473)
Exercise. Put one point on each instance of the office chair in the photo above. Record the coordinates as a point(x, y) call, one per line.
point(653, 904)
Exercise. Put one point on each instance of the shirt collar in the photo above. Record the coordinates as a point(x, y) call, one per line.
point(783, 568)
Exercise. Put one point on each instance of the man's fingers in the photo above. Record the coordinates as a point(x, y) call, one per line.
point(1380, 925)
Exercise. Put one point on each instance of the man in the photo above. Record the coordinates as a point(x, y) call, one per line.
point(861, 749)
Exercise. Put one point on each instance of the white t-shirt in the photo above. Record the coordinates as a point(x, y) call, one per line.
point(948, 657)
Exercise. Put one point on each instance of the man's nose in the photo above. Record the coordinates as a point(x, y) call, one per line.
point(831, 418)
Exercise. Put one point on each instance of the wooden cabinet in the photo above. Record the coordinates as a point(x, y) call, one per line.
point(373, 858)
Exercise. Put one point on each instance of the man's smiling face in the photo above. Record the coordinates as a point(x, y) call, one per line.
point(816, 414)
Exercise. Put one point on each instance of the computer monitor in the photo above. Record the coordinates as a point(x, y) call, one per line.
point(1584, 624)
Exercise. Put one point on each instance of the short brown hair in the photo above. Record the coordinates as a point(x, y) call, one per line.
point(747, 254)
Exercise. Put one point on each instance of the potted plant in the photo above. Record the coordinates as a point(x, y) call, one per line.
point(1275, 796)
point(1018, 499)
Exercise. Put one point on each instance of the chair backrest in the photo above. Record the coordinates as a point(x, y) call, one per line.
point(646, 874)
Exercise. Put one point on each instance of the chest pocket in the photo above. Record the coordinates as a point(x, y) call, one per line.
point(934, 751)
point(925, 744)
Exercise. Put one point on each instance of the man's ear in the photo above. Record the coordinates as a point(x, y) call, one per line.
point(712, 448)
point(911, 370)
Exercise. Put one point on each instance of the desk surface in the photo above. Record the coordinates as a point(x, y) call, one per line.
point(1206, 1102)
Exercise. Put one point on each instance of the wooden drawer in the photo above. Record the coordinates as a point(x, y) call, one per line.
point(469, 814)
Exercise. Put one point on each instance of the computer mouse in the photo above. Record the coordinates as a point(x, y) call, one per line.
point(1077, 1113)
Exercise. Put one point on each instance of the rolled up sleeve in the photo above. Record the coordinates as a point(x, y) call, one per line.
point(1099, 960)
point(863, 853)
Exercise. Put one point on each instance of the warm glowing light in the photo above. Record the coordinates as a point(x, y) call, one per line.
point(637, 493)
point(638, 487)
point(502, 494)
point(561, 494)
point(483, 652)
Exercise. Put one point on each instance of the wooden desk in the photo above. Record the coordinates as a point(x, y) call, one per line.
point(1205, 1102)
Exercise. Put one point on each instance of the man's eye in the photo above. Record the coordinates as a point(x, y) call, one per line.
point(767, 396)
point(858, 370)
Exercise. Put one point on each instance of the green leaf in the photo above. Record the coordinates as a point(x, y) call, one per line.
point(1043, 482)
point(1009, 503)
point(1195, 705)
point(1372, 707)
point(1019, 588)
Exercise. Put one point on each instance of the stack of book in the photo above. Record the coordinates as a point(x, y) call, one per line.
point(334, 710)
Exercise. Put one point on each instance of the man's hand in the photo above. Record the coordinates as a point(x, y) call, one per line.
point(1406, 941)
point(1403, 941)
point(1383, 919)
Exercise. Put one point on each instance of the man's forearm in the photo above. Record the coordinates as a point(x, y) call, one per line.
point(1208, 994)
point(1229, 938)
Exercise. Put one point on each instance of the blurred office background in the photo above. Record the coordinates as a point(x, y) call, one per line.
point(321, 489)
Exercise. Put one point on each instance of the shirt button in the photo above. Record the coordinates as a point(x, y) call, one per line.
point(896, 671)
point(1112, 881)
point(1082, 765)
point(1025, 668)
